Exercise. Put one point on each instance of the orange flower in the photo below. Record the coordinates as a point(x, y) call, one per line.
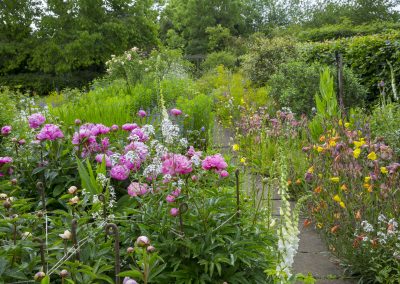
point(374, 243)
point(343, 187)
point(289, 182)
point(306, 223)
point(334, 229)
point(318, 189)
point(298, 181)
point(358, 215)
point(322, 138)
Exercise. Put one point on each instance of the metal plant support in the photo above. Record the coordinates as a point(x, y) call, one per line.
point(112, 230)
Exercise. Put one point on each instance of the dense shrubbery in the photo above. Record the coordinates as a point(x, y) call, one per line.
point(367, 56)
point(295, 84)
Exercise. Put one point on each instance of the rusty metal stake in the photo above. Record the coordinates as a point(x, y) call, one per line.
point(42, 257)
point(74, 227)
point(237, 192)
point(112, 230)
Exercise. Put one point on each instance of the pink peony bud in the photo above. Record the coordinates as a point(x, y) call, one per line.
point(142, 113)
point(174, 212)
point(142, 241)
point(176, 112)
point(223, 174)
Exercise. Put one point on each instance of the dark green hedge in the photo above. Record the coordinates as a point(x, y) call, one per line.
point(43, 84)
point(344, 30)
point(366, 55)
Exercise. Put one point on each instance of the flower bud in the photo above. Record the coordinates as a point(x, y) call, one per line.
point(72, 189)
point(7, 204)
point(39, 276)
point(150, 249)
point(64, 273)
point(142, 241)
point(130, 250)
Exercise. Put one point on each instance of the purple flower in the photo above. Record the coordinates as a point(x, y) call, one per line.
point(223, 174)
point(137, 189)
point(176, 164)
point(50, 132)
point(119, 172)
point(176, 192)
point(215, 162)
point(129, 126)
point(99, 158)
point(170, 198)
point(174, 212)
point(192, 152)
point(128, 280)
point(36, 120)
point(5, 130)
point(21, 142)
point(5, 160)
point(176, 112)
point(137, 134)
point(142, 113)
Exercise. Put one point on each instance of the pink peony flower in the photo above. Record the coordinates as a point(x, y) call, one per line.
point(142, 113)
point(119, 172)
point(129, 126)
point(174, 212)
point(105, 143)
point(114, 128)
point(192, 152)
point(194, 178)
point(128, 161)
point(170, 198)
point(50, 132)
point(176, 192)
point(5, 160)
point(137, 189)
point(138, 135)
point(223, 174)
point(36, 120)
point(99, 158)
point(215, 162)
point(176, 164)
point(99, 129)
point(176, 112)
point(6, 130)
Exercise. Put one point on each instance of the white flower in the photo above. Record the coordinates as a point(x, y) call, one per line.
point(66, 235)
point(72, 189)
point(184, 142)
point(367, 227)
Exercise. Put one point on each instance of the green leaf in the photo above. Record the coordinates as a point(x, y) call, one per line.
point(132, 273)
point(45, 280)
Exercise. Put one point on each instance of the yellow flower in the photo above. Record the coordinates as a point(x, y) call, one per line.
point(347, 125)
point(334, 179)
point(370, 188)
point(337, 198)
point(342, 204)
point(320, 149)
point(310, 170)
point(372, 156)
point(320, 175)
point(319, 225)
point(360, 143)
point(332, 143)
point(343, 187)
point(243, 160)
point(340, 122)
point(235, 147)
point(384, 170)
point(367, 179)
point(356, 153)
point(366, 185)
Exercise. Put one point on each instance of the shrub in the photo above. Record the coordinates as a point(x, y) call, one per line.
point(367, 56)
point(265, 55)
point(295, 84)
point(225, 58)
